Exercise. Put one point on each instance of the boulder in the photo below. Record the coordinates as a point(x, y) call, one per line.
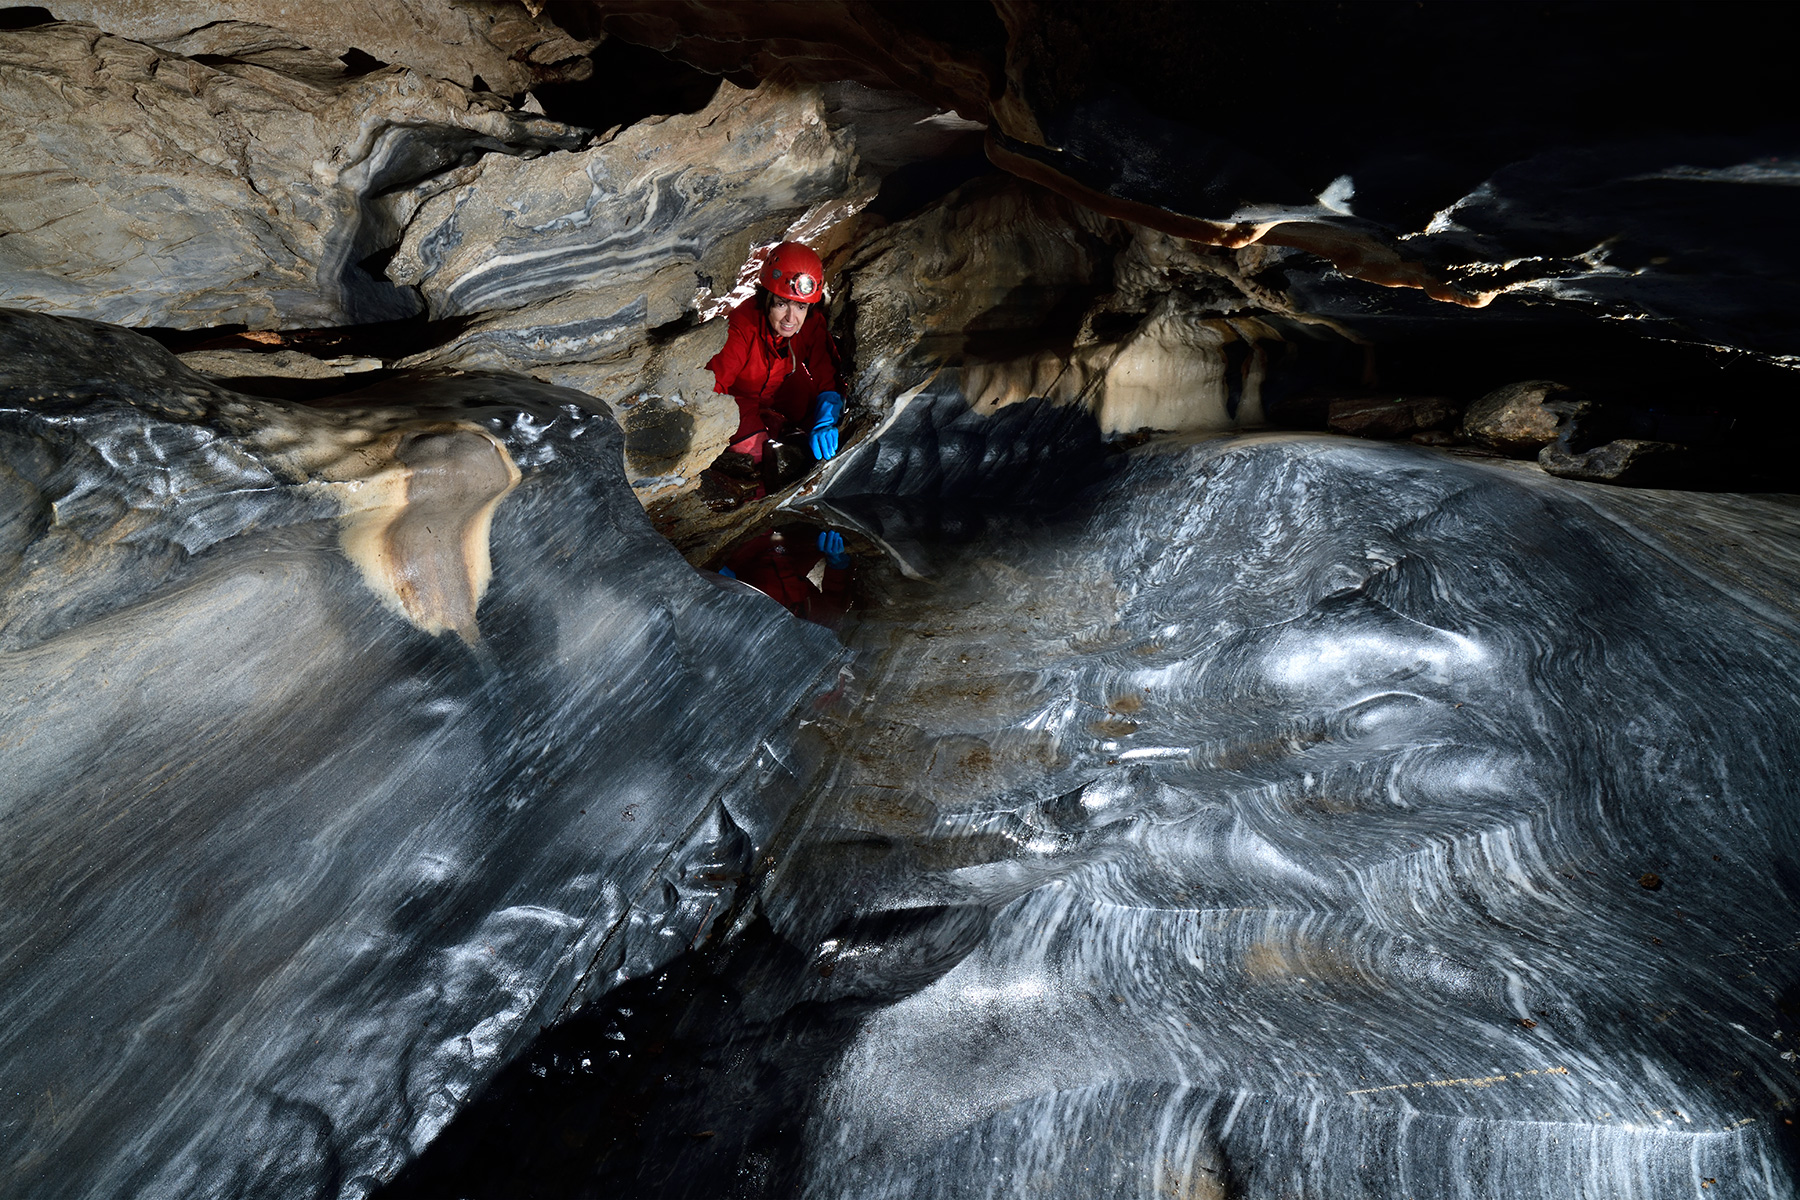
point(689, 195)
point(146, 188)
point(1388, 416)
point(346, 746)
point(1622, 460)
point(675, 423)
point(1520, 419)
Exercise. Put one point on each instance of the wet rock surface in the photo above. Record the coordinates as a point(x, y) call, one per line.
point(347, 746)
point(389, 809)
point(1273, 818)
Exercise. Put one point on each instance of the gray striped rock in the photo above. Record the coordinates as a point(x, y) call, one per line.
point(142, 187)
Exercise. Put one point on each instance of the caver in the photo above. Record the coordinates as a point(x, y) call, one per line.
point(780, 364)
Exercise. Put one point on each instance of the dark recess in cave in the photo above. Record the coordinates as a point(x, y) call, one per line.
point(359, 62)
point(907, 190)
point(386, 340)
point(969, 28)
point(629, 83)
point(1420, 101)
point(693, 1081)
point(25, 16)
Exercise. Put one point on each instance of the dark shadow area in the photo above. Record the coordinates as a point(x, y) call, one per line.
point(692, 1082)
point(283, 387)
point(1741, 412)
point(386, 340)
point(1551, 74)
point(629, 83)
point(25, 16)
point(907, 190)
point(359, 62)
point(381, 339)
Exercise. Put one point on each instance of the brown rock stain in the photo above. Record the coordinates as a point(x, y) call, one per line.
point(417, 497)
point(418, 533)
point(1302, 958)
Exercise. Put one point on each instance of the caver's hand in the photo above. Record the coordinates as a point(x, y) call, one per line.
point(831, 545)
point(825, 419)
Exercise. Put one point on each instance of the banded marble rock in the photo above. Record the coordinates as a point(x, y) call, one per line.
point(1278, 815)
point(572, 257)
point(346, 745)
point(147, 188)
point(1295, 816)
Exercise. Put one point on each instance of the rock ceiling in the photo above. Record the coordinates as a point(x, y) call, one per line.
point(1263, 760)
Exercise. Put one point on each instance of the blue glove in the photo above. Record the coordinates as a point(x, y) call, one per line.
point(728, 573)
point(824, 430)
point(831, 545)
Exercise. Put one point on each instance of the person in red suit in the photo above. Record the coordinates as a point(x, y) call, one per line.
point(806, 574)
point(779, 362)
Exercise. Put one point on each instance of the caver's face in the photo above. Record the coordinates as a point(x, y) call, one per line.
point(786, 317)
point(1357, 784)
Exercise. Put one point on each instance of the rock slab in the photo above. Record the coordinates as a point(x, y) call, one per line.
point(346, 746)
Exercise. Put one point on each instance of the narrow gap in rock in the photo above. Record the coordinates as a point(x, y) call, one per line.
point(376, 264)
point(480, 85)
point(386, 340)
point(907, 190)
point(25, 16)
point(361, 62)
point(668, 331)
point(629, 83)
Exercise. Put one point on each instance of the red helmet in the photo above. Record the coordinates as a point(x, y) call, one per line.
point(794, 273)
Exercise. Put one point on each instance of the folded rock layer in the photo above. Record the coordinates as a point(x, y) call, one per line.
point(290, 867)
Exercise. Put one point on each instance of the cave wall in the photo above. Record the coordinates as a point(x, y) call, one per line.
point(378, 754)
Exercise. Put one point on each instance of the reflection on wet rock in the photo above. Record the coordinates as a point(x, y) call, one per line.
point(1280, 816)
point(346, 746)
point(1332, 875)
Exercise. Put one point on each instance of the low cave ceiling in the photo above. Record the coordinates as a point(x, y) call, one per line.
point(1480, 192)
point(1627, 161)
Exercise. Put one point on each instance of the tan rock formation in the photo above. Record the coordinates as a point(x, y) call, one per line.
point(1521, 418)
point(506, 44)
point(1007, 284)
point(145, 188)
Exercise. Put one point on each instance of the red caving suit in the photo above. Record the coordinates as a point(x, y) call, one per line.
point(783, 573)
point(773, 391)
